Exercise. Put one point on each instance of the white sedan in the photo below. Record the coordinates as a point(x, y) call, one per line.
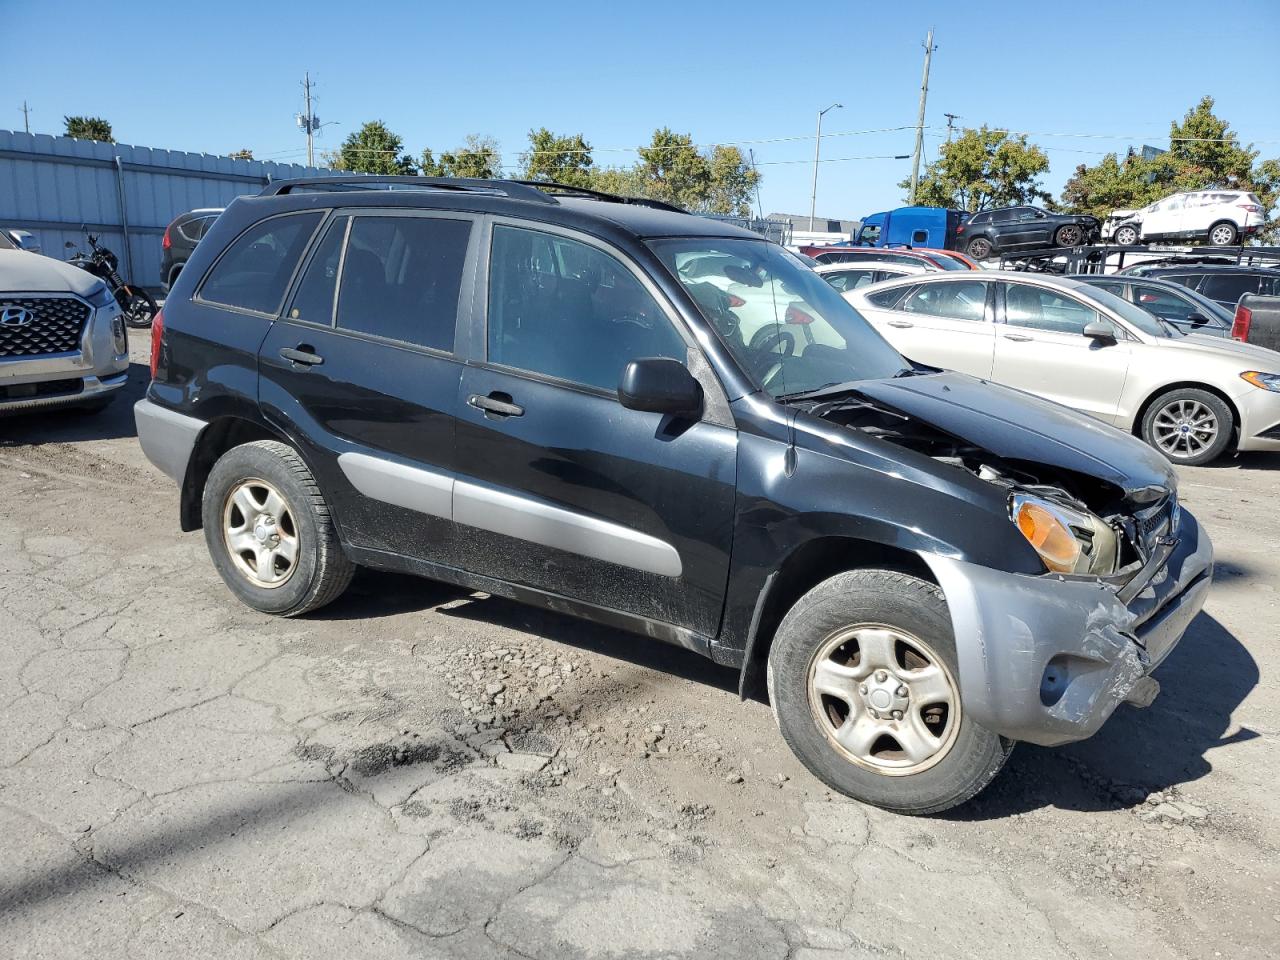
point(1189, 396)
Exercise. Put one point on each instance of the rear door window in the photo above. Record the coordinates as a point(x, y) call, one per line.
point(255, 271)
point(313, 300)
point(1229, 287)
point(954, 300)
point(401, 278)
point(1162, 303)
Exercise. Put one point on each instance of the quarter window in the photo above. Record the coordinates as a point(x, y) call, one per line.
point(401, 277)
point(955, 300)
point(1041, 309)
point(313, 301)
point(255, 271)
point(847, 280)
point(567, 310)
point(1228, 287)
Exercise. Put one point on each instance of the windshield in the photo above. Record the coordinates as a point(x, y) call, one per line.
point(1133, 315)
point(948, 263)
point(783, 322)
point(6, 243)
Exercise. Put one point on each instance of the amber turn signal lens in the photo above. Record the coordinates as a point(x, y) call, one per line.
point(1057, 546)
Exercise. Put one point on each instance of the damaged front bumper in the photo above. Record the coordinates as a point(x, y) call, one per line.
point(1047, 659)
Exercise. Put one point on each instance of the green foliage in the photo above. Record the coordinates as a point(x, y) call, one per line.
point(89, 128)
point(245, 154)
point(1203, 153)
point(980, 169)
point(557, 159)
point(373, 149)
point(478, 158)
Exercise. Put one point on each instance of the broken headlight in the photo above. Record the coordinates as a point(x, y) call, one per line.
point(1068, 540)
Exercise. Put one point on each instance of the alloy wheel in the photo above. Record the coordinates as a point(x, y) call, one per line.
point(1185, 428)
point(884, 698)
point(1221, 235)
point(1070, 236)
point(260, 534)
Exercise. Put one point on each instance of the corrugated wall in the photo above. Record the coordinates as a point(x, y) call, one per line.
point(51, 185)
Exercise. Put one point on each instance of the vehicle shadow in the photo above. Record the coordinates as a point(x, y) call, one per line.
point(380, 593)
point(70, 426)
point(1137, 752)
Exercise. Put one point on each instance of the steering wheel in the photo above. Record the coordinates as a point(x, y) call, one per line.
point(633, 318)
point(764, 346)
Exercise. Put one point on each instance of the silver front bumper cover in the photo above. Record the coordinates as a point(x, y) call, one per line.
point(1046, 659)
point(94, 388)
point(167, 437)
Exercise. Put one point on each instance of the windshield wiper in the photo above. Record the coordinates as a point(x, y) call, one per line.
point(837, 387)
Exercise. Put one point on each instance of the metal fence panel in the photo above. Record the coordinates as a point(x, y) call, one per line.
point(51, 185)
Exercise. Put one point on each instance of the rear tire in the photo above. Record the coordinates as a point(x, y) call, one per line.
point(1223, 234)
point(979, 248)
point(270, 533)
point(1190, 427)
point(894, 733)
point(140, 308)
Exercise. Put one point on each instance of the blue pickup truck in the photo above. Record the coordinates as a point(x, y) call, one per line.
point(913, 227)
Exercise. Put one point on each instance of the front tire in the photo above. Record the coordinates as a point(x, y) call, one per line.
point(862, 680)
point(1126, 235)
point(1069, 235)
point(139, 308)
point(1223, 234)
point(270, 533)
point(1190, 427)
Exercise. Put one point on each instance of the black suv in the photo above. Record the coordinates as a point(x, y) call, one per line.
point(547, 394)
point(1224, 284)
point(180, 238)
point(993, 232)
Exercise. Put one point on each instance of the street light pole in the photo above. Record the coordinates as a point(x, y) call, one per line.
point(817, 147)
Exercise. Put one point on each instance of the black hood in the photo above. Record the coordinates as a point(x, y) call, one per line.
point(1014, 425)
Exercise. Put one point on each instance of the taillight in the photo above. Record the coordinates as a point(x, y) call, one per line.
point(1240, 326)
point(736, 301)
point(1250, 207)
point(157, 332)
point(959, 229)
point(798, 317)
point(165, 241)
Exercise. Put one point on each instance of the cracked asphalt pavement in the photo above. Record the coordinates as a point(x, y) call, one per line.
point(419, 771)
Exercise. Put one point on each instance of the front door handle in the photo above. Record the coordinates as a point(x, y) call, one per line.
point(901, 324)
point(1017, 337)
point(304, 355)
point(496, 405)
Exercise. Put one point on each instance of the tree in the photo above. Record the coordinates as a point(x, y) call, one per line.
point(672, 169)
point(557, 159)
point(733, 181)
point(1203, 153)
point(89, 128)
point(478, 159)
point(245, 154)
point(373, 149)
point(980, 169)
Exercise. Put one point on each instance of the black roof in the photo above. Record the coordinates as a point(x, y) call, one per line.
point(1140, 269)
point(554, 203)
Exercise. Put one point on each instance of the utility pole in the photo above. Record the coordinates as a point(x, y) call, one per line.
point(817, 146)
point(924, 95)
point(759, 207)
point(26, 117)
point(308, 122)
point(951, 122)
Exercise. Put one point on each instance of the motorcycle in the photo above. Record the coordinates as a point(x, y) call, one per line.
point(138, 306)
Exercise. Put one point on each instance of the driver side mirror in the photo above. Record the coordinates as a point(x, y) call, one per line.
point(660, 385)
point(1100, 331)
point(1197, 320)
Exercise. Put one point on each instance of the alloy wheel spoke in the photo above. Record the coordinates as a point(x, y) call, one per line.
point(242, 541)
point(249, 508)
point(858, 734)
point(915, 738)
point(928, 685)
point(274, 505)
point(287, 549)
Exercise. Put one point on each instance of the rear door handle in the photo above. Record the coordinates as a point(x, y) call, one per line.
point(304, 354)
point(1017, 337)
point(901, 324)
point(491, 404)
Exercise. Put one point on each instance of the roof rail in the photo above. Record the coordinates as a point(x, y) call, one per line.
point(542, 185)
point(514, 189)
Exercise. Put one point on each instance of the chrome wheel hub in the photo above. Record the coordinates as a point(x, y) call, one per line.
point(884, 699)
point(260, 534)
point(1185, 428)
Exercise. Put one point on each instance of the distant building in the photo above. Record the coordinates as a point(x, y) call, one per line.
point(820, 224)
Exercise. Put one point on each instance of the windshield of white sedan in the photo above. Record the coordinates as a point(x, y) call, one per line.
point(783, 322)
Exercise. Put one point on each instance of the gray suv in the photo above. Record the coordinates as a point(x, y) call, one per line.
point(62, 337)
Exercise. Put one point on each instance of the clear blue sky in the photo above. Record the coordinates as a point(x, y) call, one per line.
point(215, 77)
